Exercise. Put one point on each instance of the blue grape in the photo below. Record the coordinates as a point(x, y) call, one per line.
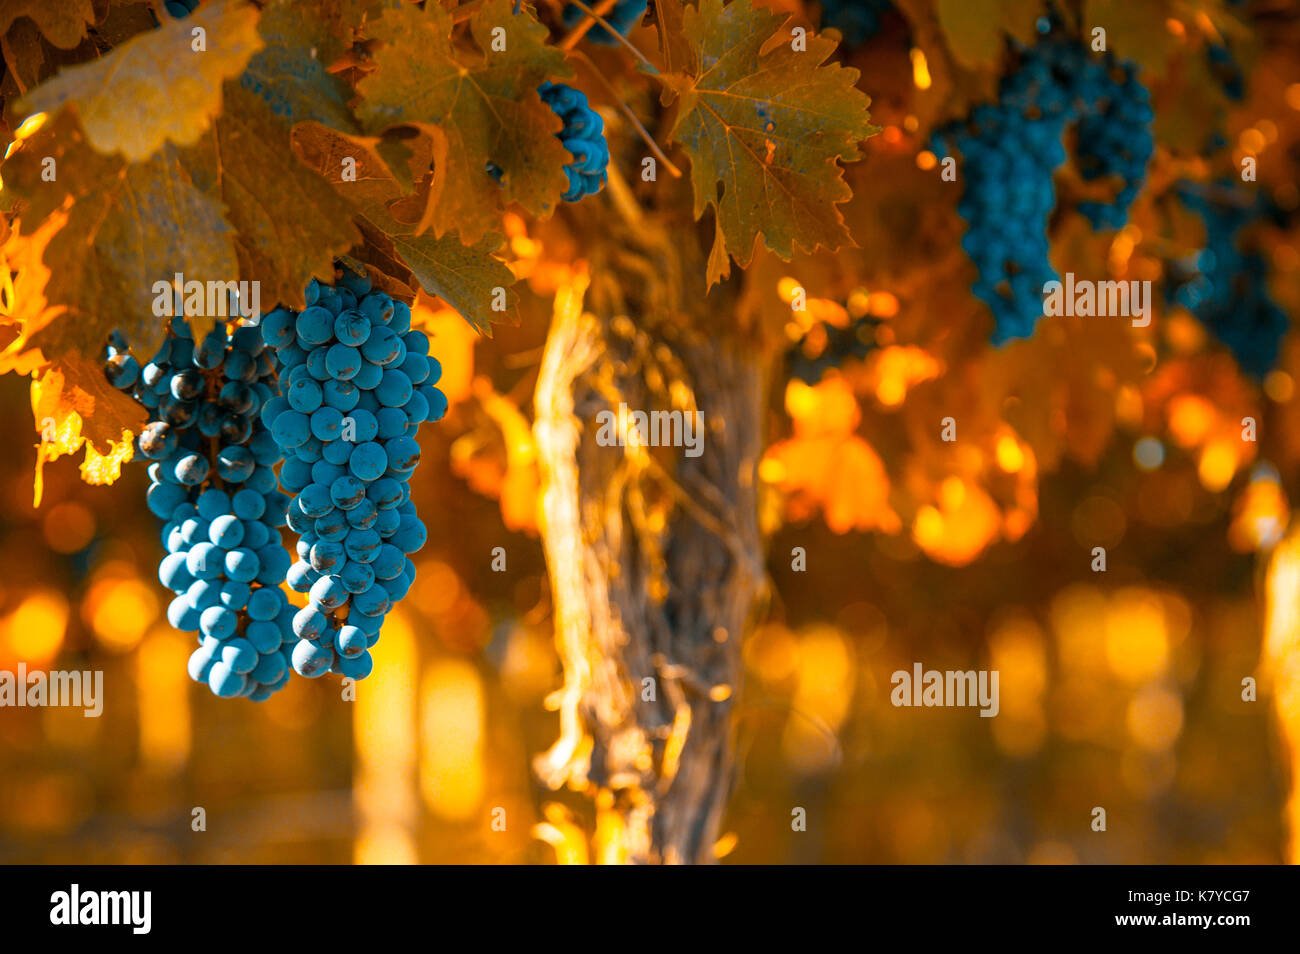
point(219, 499)
point(1226, 284)
point(349, 465)
point(583, 135)
point(181, 8)
point(1010, 150)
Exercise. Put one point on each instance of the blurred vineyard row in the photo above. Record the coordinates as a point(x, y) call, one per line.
point(1123, 693)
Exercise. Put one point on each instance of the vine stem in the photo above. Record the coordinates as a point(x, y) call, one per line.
point(585, 60)
point(584, 27)
point(463, 13)
point(571, 41)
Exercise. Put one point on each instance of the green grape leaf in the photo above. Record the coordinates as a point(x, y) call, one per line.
point(484, 104)
point(763, 124)
point(156, 87)
point(289, 224)
point(466, 277)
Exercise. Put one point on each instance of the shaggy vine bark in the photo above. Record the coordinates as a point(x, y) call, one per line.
point(655, 556)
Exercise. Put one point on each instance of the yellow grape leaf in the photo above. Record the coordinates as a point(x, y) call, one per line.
point(840, 475)
point(105, 411)
point(101, 469)
point(827, 467)
point(826, 408)
point(128, 226)
point(485, 104)
point(67, 415)
point(62, 22)
point(894, 370)
point(976, 28)
point(156, 87)
point(24, 297)
point(956, 529)
point(764, 124)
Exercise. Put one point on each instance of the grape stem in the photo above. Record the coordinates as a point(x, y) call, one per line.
point(582, 58)
point(214, 443)
point(570, 41)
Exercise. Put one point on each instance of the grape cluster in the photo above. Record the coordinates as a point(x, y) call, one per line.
point(1115, 141)
point(211, 481)
point(1011, 149)
point(357, 383)
point(857, 20)
point(583, 135)
point(624, 15)
point(1226, 283)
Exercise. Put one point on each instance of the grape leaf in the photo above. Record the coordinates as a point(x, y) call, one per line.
point(24, 54)
point(385, 270)
point(976, 28)
point(289, 224)
point(68, 417)
point(334, 25)
point(128, 226)
point(105, 411)
point(123, 20)
point(358, 169)
point(32, 59)
point(672, 40)
point(289, 71)
point(464, 276)
point(1136, 30)
point(485, 104)
point(155, 87)
point(62, 22)
point(763, 129)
